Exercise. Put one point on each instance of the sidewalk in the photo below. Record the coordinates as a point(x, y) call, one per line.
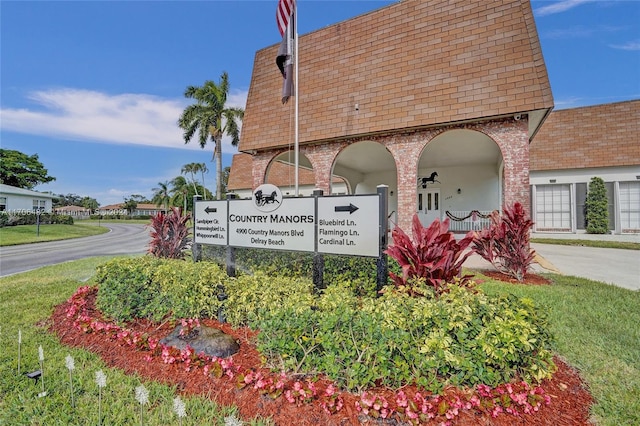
point(613, 266)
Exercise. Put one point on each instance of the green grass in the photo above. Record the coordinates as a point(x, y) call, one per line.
point(626, 245)
point(597, 330)
point(24, 234)
point(28, 299)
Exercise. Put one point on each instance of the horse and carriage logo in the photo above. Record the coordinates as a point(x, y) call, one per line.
point(267, 197)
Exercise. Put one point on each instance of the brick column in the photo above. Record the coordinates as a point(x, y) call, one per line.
point(513, 139)
point(406, 151)
point(322, 158)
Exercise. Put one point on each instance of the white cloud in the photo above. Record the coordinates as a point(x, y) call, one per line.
point(559, 7)
point(86, 115)
point(631, 45)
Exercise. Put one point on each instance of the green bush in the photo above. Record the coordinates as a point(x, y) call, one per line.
point(359, 271)
point(597, 207)
point(253, 298)
point(459, 336)
point(149, 287)
point(462, 337)
point(15, 219)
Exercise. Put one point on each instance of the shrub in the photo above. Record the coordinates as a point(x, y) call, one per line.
point(4, 219)
point(459, 338)
point(253, 298)
point(433, 255)
point(15, 219)
point(169, 234)
point(505, 244)
point(126, 288)
point(153, 288)
point(597, 207)
point(360, 272)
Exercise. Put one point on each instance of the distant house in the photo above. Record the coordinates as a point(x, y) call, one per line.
point(575, 145)
point(143, 209)
point(14, 199)
point(76, 212)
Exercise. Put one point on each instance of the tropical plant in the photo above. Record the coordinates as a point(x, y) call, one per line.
point(433, 255)
point(179, 192)
point(211, 118)
point(191, 169)
point(169, 234)
point(597, 207)
point(505, 244)
point(202, 168)
point(161, 195)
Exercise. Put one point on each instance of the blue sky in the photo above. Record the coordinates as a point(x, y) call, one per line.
point(95, 87)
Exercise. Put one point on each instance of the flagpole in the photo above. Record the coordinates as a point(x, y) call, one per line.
point(297, 96)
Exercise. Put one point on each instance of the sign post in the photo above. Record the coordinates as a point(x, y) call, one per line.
point(353, 225)
point(382, 264)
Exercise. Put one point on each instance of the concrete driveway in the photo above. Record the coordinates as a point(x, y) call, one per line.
point(611, 266)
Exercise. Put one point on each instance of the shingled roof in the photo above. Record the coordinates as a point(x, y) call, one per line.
point(409, 65)
point(594, 136)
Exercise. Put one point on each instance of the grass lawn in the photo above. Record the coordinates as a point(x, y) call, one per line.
point(626, 245)
point(24, 234)
point(28, 299)
point(597, 330)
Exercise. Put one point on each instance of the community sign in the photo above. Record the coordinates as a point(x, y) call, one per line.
point(347, 225)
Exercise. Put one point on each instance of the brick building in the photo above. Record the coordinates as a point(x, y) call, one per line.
point(453, 87)
point(575, 145)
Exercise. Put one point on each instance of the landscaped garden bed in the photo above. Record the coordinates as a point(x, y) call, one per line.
point(563, 398)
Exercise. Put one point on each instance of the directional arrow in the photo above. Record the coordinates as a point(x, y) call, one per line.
point(350, 208)
point(210, 210)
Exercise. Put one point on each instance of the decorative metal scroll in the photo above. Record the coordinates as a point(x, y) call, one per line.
point(473, 213)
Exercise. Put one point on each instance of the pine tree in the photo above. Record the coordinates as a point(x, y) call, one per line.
point(597, 208)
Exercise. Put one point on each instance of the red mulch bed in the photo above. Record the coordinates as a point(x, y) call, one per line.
point(529, 278)
point(569, 405)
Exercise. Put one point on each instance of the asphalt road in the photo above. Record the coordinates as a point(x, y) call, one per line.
point(121, 239)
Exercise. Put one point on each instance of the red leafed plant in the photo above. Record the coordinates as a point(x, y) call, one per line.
point(169, 234)
point(433, 255)
point(506, 242)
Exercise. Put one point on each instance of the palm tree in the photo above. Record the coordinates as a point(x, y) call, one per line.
point(179, 192)
point(161, 195)
point(191, 168)
point(211, 118)
point(202, 168)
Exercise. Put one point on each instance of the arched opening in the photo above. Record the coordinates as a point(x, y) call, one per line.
point(364, 166)
point(459, 176)
point(281, 172)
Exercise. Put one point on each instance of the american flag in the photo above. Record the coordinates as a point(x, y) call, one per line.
point(283, 13)
point(284, 60)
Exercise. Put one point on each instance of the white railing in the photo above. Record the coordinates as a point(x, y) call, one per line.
point(465, 220)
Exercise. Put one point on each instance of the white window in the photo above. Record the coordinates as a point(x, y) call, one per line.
point(553, 207)
point(39, 205)
point(3, 204)
point(629, 206)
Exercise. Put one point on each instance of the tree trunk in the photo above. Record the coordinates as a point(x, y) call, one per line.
point(219, 167)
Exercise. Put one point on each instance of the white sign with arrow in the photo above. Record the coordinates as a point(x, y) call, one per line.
point(349, 225)
point(210, 226)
